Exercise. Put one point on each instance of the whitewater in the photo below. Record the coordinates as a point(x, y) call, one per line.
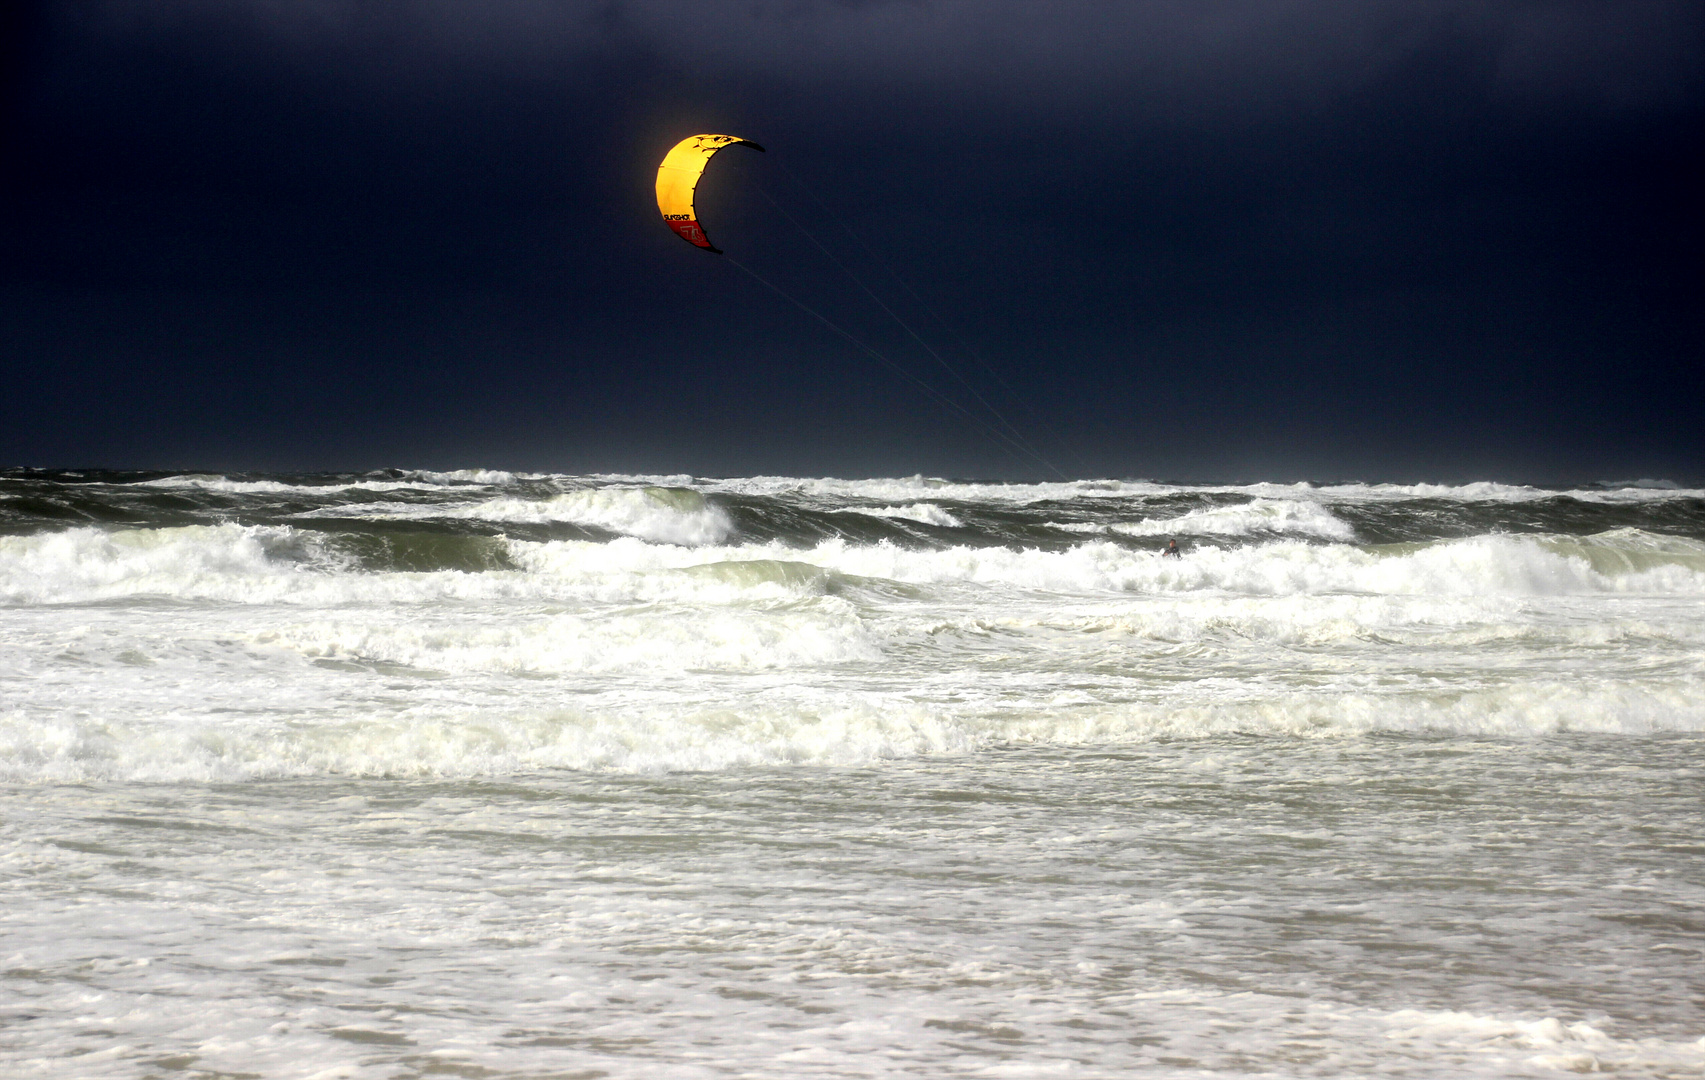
point(491, 774)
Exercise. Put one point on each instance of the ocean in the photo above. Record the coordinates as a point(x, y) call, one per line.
point(481, 774)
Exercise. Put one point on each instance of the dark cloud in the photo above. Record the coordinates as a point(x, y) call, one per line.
point(1155, 57)
point(1282, 238)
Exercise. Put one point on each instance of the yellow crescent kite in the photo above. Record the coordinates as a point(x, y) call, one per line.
point(679, 175)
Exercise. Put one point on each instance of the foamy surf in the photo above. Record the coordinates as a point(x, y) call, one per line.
point(291, 565)
point(664, 515)
point(924, 488)
point(495, 774)
point(1260, 517)
point(228, 741)
point(924, 513)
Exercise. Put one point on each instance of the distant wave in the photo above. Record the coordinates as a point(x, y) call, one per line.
point(665, 515)
point(412, 480)
point(923, 513)
point(919, 487)
point(688, 511)
point(1259, 517)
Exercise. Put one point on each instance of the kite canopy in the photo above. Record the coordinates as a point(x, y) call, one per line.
point(679, 175)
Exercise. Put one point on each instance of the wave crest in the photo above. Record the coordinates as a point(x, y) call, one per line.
point(257, 564)
point(1261, 517)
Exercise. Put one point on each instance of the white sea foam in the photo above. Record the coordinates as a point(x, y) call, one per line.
point(902, 489)
point(421, 743)
point(926, 513)
point(777, 727)
point(253, 564)
point(1565, 1047)
point(652, 640)
point(477, 477)
point(416, 482)
point(1087, 527)
point(1261, 517)
point(1521, 710)
point(662, 514)
point(678, 516)
point(279, 564)
point(1490, 565)
point(669, 804)
point(1482, 492)
point(266, 487)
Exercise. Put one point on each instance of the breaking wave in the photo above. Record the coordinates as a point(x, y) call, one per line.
point(1258, 518)
point(284, 564)
point(927, 488)
point(475, 623)
point(818, 730)
point(665, 515)
point(662, 514)
point(923, 513)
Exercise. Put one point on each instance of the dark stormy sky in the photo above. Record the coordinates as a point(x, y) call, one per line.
point(1202, 239)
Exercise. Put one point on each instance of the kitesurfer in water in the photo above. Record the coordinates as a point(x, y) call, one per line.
point(1172, 550)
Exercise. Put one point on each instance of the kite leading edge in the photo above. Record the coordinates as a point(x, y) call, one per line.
point(679, 175)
